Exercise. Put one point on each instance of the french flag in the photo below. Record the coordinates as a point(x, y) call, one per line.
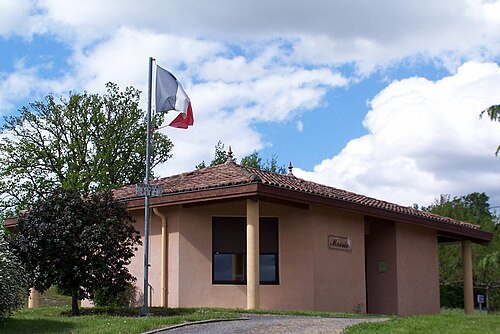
point(171, 96)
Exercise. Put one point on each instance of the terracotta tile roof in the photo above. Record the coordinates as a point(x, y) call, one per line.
point(232, 174)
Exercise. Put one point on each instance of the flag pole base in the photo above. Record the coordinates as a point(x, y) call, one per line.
point(144, 312)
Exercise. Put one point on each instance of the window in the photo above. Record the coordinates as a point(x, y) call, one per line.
point(229, 248)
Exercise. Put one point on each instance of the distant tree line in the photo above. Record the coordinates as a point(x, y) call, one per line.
point(473, 208)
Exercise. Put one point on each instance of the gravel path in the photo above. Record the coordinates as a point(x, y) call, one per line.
point(270, 324)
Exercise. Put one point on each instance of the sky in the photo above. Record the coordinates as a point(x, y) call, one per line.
point(382, 98)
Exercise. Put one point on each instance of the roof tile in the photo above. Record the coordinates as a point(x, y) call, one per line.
point(230, 174)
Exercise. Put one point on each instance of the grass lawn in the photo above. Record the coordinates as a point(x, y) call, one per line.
point(52, 297)
point(97, 320)
point(448, 322)
point(125, 320)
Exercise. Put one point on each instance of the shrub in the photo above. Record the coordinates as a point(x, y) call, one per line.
point(107, 296)
point(13, 282)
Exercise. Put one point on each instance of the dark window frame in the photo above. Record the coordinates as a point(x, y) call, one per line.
point(242, 220)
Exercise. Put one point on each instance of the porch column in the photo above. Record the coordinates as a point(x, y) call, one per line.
point(467, 264)
point(33, 299)
point(253, 270)
point(164, 271)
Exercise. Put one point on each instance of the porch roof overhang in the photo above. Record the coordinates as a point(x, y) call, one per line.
point(231, 182)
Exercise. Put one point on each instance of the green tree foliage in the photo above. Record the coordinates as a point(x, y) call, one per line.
point(493, 113)
point(272, 165)
point(220, 155)
point(13, 283)
point(201, 165)
point(253, 160)
point(473, 208)
point(108, 296)
point(81, 244)
point(87, 143)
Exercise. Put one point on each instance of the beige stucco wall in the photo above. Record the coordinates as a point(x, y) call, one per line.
point(339, 276)
point(136, 266)
point(195, 257)
point(410, 282)
point(312, 276)
point(418, 270)
point(382, 288)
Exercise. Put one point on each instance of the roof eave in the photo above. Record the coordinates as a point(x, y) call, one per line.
point(295, 196)
point(472, 234)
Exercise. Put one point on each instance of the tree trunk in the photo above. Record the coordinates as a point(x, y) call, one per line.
point(74, 304)
point(488, 299)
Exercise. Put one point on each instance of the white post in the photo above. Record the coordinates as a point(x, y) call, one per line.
point(164, 258)
point(33, 299)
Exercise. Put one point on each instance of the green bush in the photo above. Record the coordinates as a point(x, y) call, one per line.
point(13, 282)
point(107, 296)
point(451, 296)
point(494, 299)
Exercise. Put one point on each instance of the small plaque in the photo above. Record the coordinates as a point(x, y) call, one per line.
point(142, 189)
point(341, 243)
point(382, 267)
point(155, 191)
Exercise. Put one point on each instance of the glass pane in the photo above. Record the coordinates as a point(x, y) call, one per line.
point(268, 268)
point(229, 268)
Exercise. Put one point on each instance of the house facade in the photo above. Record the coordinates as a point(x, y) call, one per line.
point(234, 236)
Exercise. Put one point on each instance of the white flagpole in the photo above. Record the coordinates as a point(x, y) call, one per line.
point(144, 309)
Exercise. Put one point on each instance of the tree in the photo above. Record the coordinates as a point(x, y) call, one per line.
point(81, 244)
point(87, 143)
point(220, 155)
point(201, 165)
point(493, 113)
point(473, 208)
point(253, 160)
point(13, 284)
point(272, 165)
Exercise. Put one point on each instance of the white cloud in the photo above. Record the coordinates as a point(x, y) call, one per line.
point(367, 33)
point(27, 82)
point(300, 126)
point(123, 58)
point(14, 17)
point(230, 94)
point(425, 139)
point(248, 62)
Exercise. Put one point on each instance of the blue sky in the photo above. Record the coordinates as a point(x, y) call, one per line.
point(379, 98)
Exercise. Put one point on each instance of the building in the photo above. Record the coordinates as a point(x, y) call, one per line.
point(233, 236)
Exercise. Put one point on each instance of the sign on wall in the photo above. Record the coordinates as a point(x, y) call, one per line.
point(341, 243)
